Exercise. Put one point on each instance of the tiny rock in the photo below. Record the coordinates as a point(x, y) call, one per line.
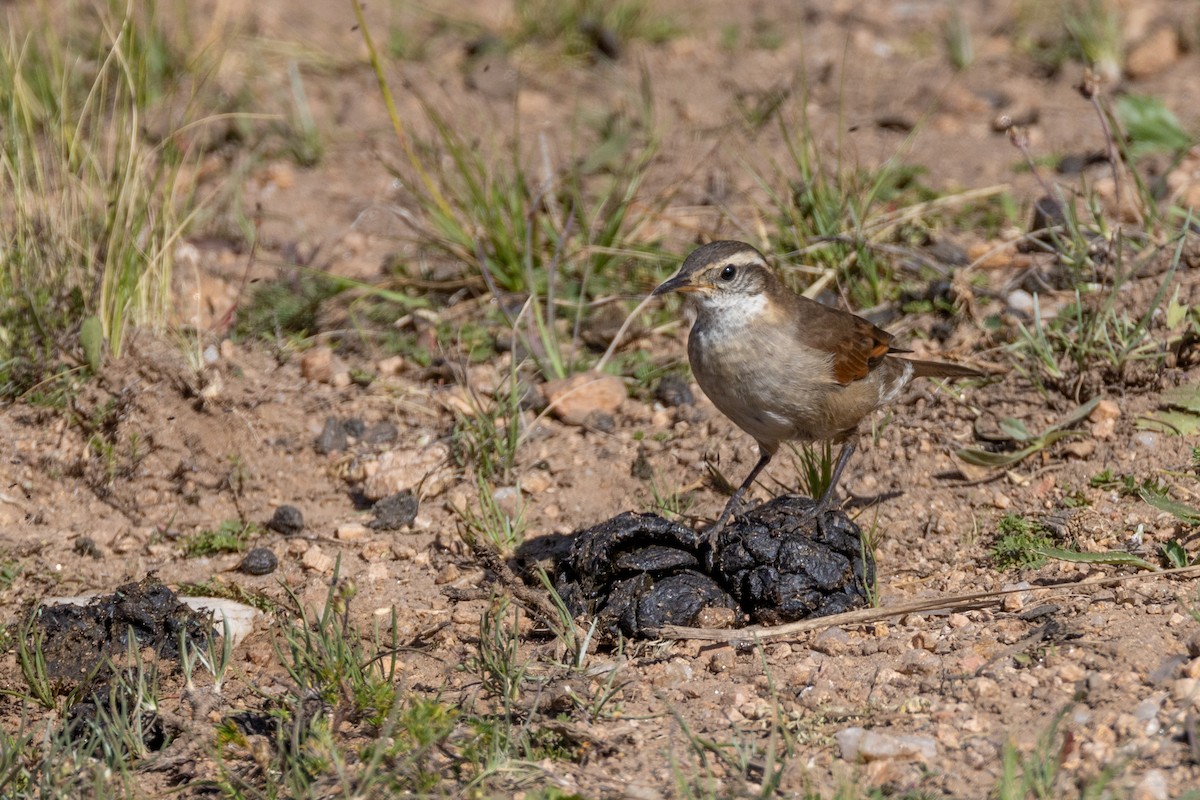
point(1154, 54)
point(390, 367)
point(376, 550)
point(1071, 673)
point(1015, 600)
point(1104, 429)
point(317, 365)
point(448, 574)
point(1104, 419)
point(859, 745)
point(722, 660)
point(831, 642)
point(535, 483)
point(576, 398)
point(350, 531)
point(1105, 409)
point(1080, 449)
point(1152, 786)
point(428, 467)
point(316, 560)
point(1021, 302)
point(919, 662)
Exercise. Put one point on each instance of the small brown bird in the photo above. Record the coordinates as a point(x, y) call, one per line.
point(781, 366)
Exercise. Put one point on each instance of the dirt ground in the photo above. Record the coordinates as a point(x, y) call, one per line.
point(1116, 663)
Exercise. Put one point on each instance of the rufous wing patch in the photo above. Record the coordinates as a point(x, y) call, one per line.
point(854, 356)
point(854, 345)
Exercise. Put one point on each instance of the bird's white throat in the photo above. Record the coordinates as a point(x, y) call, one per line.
point(731, 309)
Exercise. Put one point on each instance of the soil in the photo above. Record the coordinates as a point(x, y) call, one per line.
point(1115, 664)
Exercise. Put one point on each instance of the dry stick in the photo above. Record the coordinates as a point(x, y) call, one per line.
point(756, 633)
point(621, 333)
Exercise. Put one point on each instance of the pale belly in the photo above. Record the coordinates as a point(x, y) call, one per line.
point(771, 396)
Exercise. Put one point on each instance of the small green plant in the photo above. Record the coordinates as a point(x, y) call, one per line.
point(1025, 443)
point(231, 536)
point(497, 660)
point(957, 34)
point(837, 217)
point(580, 29)
point(814, 465)
point(1125, 485)
point(289, 307)
point(673, 502)
point(1192, 606)
point(9, 571)
point(1096, 27)
point(324, 654)
point(504, 531)
point(214, 654)
point(1040, 774)
point(32, 662)
point(1189, 515)
point(1178, 412)
point(1098, 338)
point(487, 437)
point(1021, 543)
point(302, 137)
point(92, 209)
point(1176, 556)
point(1150, 127)
point(126, 722)
point(554, 239)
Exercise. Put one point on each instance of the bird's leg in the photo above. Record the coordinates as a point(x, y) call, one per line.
point(735, 501)
point(827, 496)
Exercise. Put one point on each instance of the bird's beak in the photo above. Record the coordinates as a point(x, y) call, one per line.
point(676, 283)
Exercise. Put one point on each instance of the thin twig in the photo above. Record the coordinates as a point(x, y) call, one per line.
point(756, 633)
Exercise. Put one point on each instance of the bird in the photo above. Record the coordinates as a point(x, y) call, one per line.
point(783, 367)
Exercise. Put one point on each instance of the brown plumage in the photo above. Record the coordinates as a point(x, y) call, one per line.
point(781, 366)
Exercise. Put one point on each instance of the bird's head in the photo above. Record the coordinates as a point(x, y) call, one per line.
point(722, 275)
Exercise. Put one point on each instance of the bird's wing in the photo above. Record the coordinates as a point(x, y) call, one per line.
point(857, 346)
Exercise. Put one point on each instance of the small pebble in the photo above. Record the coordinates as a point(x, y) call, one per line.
point(350, 532)
point(1146, 439)
point(316, 560)
point(861, 746)
point(380, 433)
point(86, 546)
point(333, 437)
point(831, 642)
point(919, 662)
point(259, 561)
point(1152, 786)
point(286, 520)
point(1021, 302)
point(390, 366)
point(395, 511)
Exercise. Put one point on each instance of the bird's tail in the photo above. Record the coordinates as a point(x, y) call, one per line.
point(941, 369)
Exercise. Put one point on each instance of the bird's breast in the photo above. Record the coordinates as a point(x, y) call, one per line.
point(776, 388)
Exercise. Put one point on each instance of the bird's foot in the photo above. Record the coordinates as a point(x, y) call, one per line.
point(713, 533)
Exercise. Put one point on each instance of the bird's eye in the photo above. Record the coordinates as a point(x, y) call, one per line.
point(728, 273)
